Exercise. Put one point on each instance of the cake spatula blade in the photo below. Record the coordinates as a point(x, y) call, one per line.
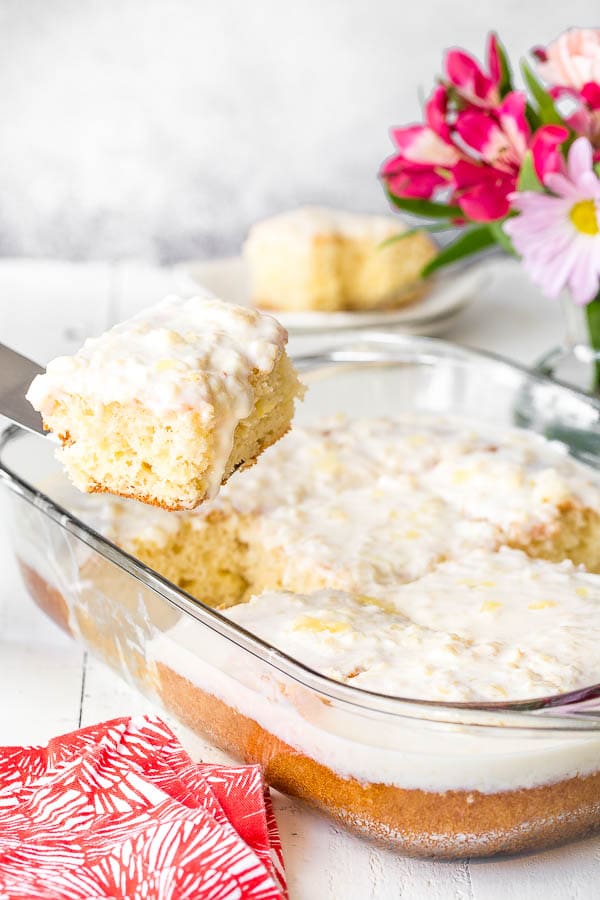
point(16, 374)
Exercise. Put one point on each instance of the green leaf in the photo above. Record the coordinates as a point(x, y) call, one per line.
point(506, 79)
point(528, 180)
point(592, 313)
point(471, 241)
point(533, 119)
point(426, 208)
point(432, 229)
point(501, 237)
point(547, 110)
point(597, 169)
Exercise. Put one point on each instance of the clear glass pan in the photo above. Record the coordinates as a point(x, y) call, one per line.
point(430, 778)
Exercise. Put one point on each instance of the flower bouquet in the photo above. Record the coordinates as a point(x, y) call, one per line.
point(514, 168)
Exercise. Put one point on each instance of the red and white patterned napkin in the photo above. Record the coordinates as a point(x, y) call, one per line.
point(120, 810)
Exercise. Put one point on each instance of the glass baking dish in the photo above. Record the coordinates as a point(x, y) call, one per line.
point(431, 779)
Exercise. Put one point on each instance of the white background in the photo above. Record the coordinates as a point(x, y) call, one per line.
point(163, 128)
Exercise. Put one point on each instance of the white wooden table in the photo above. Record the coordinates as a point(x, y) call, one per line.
point(49, 686)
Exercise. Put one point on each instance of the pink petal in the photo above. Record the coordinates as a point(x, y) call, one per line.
point(551, 273)
point(465, 74)
point(583, 280)
point(467, 174)
point(580, 158)
point(581, 121)
point(393, 165)
point(482, 133)
point(537, 224)
point(511, 113)
point(544, 149)
point(436, 112)
point(542, 218)
point(566, 63)
point(589, 185)
point(462, 69)
point(405, 179)
point(591, 94)
point(482, 205)
point(513, 105)
point(406, 136)
point(493, 58)
point(556, 269)
point(421, 144)
point(560, 184)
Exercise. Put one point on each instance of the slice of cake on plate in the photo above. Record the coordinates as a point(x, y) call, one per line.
point(164, 407)
point(327, 260)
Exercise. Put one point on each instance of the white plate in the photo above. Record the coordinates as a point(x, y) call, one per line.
point(448, 294)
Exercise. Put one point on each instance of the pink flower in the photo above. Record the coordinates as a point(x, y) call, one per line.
point(426, 154)
point(500, 136)
point(544, 149)
point(498, 140)
point(573, 59)
point(462, 126)
point(472, 145)
point(406, 179)
point(558, 236)
point(420, 144)
point(482, 191)
point(468, 79)
point(474, 155)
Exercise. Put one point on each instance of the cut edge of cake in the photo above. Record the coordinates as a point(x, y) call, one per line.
point(328, 260)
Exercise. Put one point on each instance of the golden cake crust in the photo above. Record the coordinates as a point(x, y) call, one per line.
point(421, 823)
point(48, 598)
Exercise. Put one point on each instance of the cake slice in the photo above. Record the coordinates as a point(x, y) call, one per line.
point(324, 259)
point(165, 406)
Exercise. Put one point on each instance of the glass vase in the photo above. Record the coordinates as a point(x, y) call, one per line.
point(576, 362)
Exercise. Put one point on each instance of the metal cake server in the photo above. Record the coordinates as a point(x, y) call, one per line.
point(16, 374)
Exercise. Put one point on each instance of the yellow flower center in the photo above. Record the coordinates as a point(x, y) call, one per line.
point(584, 218)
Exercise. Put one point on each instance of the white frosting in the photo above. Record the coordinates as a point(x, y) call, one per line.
point(371, 747)
point(181, 355)
point(377, 502)
point(514, 483)
point(490, 627)
point(309, 221)
point(370, 503)
point(367, 538)
point(509, 477)
point(195, 354)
